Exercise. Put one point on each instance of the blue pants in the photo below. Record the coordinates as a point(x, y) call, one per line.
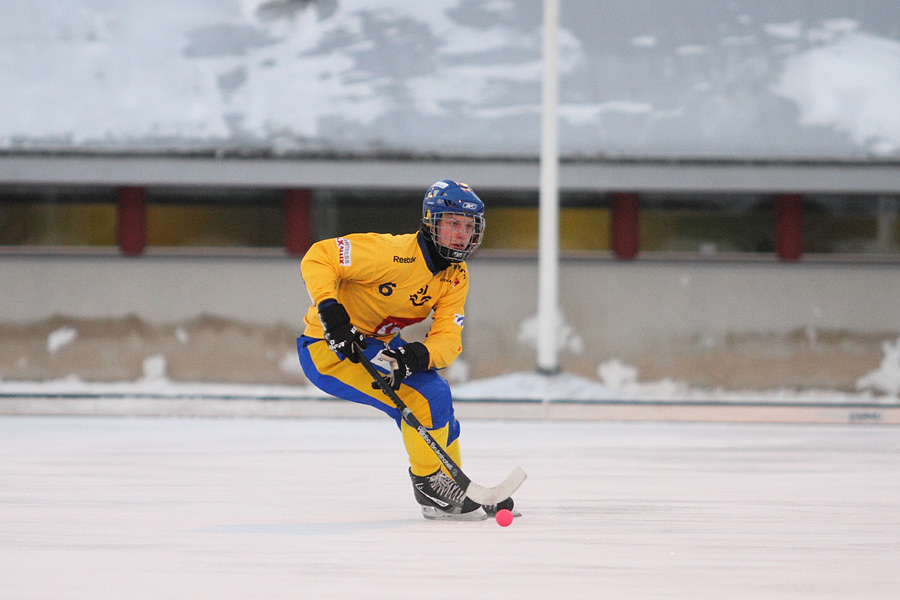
point(426, 393)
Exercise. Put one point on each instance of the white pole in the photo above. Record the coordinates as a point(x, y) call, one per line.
point(548, 213)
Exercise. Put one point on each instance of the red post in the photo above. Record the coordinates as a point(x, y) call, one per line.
point(297, 220)
point(789, 226)
point(625, 208)
point(132, 213)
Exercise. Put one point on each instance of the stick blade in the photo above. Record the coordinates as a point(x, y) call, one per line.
point(498, 493)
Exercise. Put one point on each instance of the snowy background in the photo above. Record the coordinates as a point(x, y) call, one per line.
point(615, 381)
point(455, 77)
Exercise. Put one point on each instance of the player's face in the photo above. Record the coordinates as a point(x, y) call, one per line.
point(455, 231)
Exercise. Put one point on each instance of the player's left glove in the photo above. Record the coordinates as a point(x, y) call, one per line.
point(403, 362)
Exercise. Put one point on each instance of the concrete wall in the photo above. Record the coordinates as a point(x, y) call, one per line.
point(758, 324)
point(731, 324)
point(159, 289)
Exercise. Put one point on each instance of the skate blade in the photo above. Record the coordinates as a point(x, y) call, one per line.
point(434, 514)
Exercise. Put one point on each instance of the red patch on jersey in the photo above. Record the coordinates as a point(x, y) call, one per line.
point(392, 325)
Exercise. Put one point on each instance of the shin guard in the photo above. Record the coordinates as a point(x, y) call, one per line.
point(422, 459)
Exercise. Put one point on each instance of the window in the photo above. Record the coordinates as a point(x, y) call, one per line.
point(339, 212)
point(513, 221)
point(229, 218)
point(707, 224)
point(851, 224)
point(204, 218)
point(32, 216)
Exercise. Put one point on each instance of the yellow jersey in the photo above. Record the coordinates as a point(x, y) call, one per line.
point(387, 282)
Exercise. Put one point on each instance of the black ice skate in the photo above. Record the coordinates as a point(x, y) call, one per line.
point(508, 504)
point(442, 498)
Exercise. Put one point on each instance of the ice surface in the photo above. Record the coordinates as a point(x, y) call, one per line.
point(95, 508)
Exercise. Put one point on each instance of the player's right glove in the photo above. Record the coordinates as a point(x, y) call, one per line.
point(341, 335)
point(403, 362)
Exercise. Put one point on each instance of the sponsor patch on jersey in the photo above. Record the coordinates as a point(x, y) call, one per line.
point(404, 259)
point(344, 249)
point(458, 319)
point(393, 325)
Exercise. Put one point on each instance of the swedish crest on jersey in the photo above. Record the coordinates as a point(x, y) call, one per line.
point(420, 297)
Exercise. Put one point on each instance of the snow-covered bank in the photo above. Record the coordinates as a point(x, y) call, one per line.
point(515, 396)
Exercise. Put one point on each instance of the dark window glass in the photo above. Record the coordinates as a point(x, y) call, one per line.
point(229, 218)
point(700, 224)
point(851, 225)
point(31, 216)
point(340, 212)
point(513, 221)
point(706, 224)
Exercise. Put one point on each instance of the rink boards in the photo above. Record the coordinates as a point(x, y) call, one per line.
point(605, 410)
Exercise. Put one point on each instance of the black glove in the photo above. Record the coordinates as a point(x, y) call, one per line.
point(403, 362)
point(341, 335)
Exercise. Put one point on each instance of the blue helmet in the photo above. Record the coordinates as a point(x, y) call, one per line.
point(447, 197)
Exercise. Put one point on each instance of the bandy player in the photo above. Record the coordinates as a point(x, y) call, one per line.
point(366, 288)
